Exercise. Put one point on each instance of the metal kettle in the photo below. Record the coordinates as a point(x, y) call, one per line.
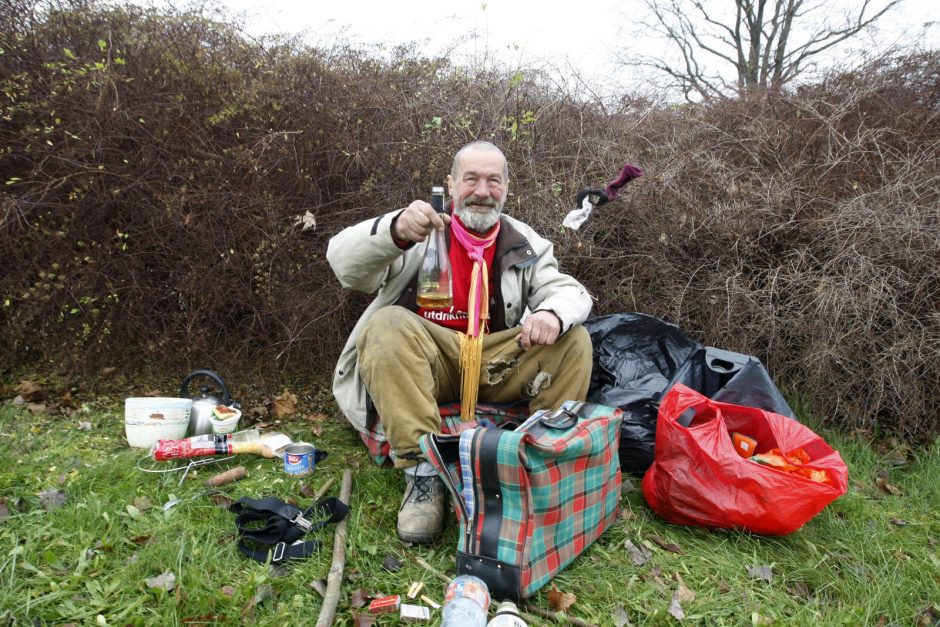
point(203, 404)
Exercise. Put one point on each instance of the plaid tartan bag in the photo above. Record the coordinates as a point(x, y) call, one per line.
point(531, 500)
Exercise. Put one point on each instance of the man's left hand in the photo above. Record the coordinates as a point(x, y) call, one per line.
point(541, 328)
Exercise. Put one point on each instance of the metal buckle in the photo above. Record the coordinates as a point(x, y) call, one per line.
point(278, 554)
point(302, 522)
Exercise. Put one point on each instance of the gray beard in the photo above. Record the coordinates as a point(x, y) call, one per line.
point(478, 222)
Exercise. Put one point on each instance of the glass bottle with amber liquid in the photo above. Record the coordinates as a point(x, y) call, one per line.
point(434, 284)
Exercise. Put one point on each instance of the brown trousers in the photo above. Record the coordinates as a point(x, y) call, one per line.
point(410, 365)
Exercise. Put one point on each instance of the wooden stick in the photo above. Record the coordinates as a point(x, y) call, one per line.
point(323, 488)
point(226, 477)
point(334, 581)
point(574, 620)
point(420, 562)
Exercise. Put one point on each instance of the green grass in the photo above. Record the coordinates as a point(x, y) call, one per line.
point(871, 556)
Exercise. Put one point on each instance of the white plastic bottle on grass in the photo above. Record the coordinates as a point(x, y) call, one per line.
point(507, 615)
point(466, 602)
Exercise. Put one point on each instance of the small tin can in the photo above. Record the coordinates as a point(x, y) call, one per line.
point(299, 459)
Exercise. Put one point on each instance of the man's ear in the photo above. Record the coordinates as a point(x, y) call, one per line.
point(450, 185)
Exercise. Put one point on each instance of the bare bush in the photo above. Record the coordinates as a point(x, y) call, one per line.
point(158, 167)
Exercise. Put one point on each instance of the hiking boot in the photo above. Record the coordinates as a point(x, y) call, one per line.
point(421, 517)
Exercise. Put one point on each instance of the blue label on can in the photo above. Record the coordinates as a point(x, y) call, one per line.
point(299, 459)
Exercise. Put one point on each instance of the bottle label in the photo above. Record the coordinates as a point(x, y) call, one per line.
point(471, 589)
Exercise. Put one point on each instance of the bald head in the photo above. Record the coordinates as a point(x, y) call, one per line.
point(478, 146)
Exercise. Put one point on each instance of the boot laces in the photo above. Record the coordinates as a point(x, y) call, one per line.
point(421, 487)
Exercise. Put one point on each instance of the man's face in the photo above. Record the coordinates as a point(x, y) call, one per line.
point(479, 189)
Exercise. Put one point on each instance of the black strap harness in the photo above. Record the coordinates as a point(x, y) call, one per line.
point(272, 529)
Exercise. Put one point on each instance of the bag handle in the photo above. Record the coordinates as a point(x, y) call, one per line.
point(562, 418)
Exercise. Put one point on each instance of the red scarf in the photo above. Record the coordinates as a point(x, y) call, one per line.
point(478, 311)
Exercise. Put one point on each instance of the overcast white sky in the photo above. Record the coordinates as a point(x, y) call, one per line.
point(582, 34)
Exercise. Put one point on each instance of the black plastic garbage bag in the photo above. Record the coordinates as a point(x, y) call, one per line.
point(638, 358)
point(731, 377)
point(635, 358)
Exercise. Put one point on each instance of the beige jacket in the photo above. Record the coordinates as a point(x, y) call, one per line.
point(365, 258)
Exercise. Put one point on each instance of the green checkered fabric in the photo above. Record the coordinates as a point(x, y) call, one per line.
point(531, 500)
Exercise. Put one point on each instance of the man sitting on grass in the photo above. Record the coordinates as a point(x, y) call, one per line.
point(406, 358)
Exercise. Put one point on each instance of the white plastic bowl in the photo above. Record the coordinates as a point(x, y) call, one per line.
point(148, 419)
point(229, 425)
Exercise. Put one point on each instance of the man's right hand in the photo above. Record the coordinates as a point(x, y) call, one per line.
point(416, 220)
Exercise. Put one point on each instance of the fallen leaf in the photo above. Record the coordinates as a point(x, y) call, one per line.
point(928, 617)
point(307, 491)
point(901, 556)
point(359, 598)
point(142, 503)
point(29, 390)
point(668, 546)
point(639, 554)
point(391, 563)
point(262, 425)
point(66, 399)
point(760, 572)
point(52, 498)
point(258, 411)
point(559, 600)
point(84, 425)
point(675, 608)
point(319, 586)
point(317, 430)
point(620, 617)
point(801, 590)
point(227, 590)
point(760, 619)
point(682, 591)
point(888, 487)
point(262, 592)
point(363, 620)
point(133, 512)
point(221, 501)
point(900, 522)
point(280, 569)
point(627, 514)
point(317, 417)
point(285, 405)
point(107, 372)
point(166, 581)
point(142, 540)
point(626, 486)
point(36, 408)
point(882, 621)
point(4, 508)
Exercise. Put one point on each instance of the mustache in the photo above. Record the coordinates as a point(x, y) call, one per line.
point(477, 200)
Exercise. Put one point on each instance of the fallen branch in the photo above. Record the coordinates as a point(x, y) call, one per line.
point(334, 581)
point(227, 477)
point(323, 488)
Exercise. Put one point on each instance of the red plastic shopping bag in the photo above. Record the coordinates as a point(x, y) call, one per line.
point(698, 478)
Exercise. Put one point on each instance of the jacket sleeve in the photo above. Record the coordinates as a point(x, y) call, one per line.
point(552, 290)
point(363, 256)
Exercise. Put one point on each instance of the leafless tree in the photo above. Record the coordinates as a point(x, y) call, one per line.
point(768, 43)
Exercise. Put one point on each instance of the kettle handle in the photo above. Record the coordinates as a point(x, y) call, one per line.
point(226, 397)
